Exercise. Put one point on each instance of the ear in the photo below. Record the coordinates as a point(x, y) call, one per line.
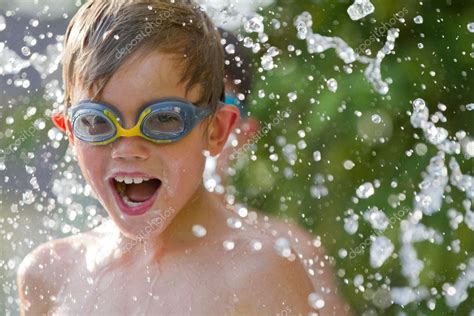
point(223, 122)
point(64, 124)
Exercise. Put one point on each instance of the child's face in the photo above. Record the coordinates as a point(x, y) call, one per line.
point(178, 165)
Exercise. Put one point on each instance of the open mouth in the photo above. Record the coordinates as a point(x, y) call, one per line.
point(135, 195)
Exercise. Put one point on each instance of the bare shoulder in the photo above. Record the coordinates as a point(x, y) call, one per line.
point(312, 263)
point(43, 271)
point(266, 276)
point(318, 264)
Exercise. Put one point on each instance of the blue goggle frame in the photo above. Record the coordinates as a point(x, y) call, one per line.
point(185, 115)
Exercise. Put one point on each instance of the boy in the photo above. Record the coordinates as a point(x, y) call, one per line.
point(143, 80)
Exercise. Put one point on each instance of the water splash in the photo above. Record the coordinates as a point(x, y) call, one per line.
point(318, 43)
point(437, 136)
point(377, 218)
point(366, 190)
point(457, 293)
point(46, 64)
point(430, 198)
point(429, 201)
point(380, 249)
point(351, 223)
point(229, 14)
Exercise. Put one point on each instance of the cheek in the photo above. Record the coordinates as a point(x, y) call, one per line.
point(92, 161)
point(185, 166)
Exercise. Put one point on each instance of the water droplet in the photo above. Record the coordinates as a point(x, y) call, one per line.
point(9, 120)
point(302, 30)
point(470, 27)
point(418, 19)
point(28, 197)
point(351, 224)
point(377, 219)
point(254, 25)
point(317, 155)
point(230, 49)
point(419, 104)
point(26, 51)
point(34, 22)
point(380, 249)
point(348, 164)
point(39, 124)
point(376, 119)
point(228, 244)
point(360, 9)
point(282, 247)
point(332, 85)
point(267, 62)
point(292, 96)
point(256, 245)
point(233, 222)
point(342, 253)
point(199, 231)
point(3, 23)
point(316, 242)
point(365, 190)
point(243, 212)
point(315, 301)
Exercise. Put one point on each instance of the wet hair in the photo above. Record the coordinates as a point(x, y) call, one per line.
point(236, 64)
point(103, 34)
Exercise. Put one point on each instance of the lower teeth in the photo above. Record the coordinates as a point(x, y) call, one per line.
point(126, 200)
point(121, 188)
point(130, 203)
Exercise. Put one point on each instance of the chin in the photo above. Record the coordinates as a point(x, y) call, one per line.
point(143, 227)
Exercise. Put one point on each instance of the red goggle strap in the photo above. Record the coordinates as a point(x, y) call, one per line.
point(60, 121)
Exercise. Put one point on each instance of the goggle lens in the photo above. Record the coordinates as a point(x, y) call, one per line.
point(163, 122)
point(90, 125)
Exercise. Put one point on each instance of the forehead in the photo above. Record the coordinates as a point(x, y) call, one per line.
point(142, 78)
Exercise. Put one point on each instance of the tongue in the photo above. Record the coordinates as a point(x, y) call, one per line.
point(143, 191)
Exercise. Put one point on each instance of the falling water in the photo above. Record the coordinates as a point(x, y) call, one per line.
point(318, 43)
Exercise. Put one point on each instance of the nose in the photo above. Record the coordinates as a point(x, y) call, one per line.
point(130, 148)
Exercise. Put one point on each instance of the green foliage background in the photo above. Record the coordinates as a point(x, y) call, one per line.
point(263, 184)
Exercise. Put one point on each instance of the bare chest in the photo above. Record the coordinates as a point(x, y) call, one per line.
point(173, 287)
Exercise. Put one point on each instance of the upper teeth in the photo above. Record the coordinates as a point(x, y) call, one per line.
point(130, 180)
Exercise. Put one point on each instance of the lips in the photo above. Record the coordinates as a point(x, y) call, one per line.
point(134, 193)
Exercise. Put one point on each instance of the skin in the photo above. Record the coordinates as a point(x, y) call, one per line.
point(108, 271)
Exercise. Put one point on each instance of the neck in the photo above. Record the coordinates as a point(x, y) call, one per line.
point(204, 209)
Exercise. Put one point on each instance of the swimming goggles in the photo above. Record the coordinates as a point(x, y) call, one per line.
point(162, 121)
